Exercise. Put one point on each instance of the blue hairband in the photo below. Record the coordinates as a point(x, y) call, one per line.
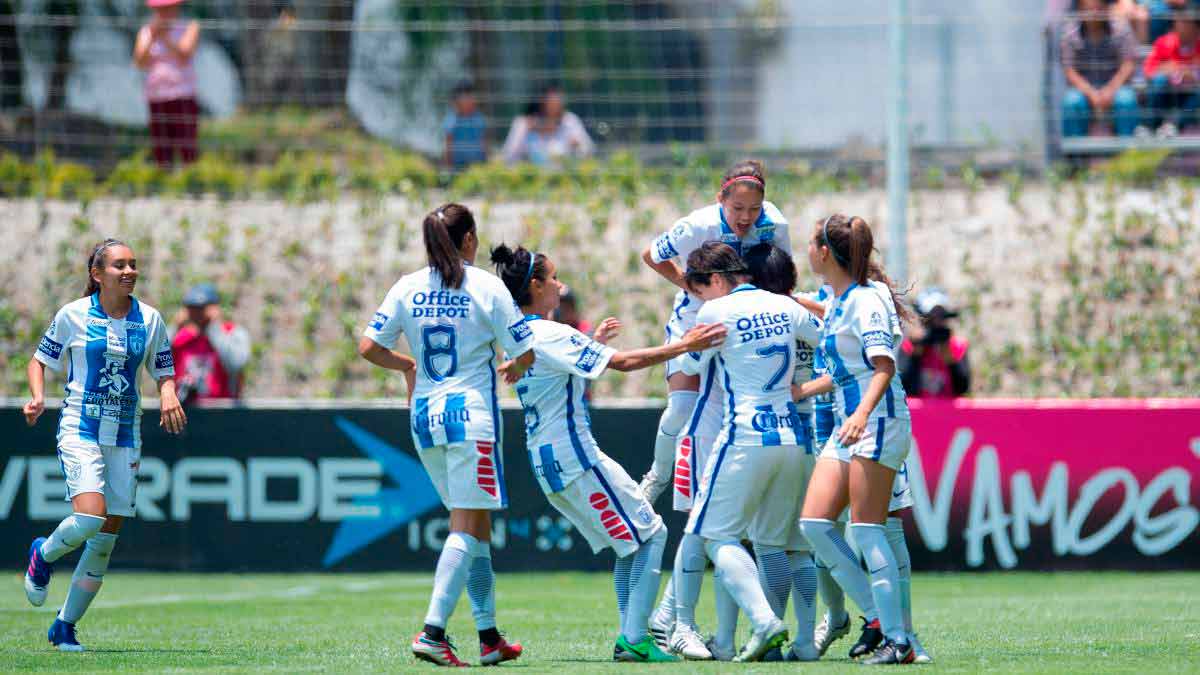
point(825, 237)
point(529, 272)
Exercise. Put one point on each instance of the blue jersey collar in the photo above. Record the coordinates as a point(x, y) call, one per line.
point(532, 317)
point(744, 287)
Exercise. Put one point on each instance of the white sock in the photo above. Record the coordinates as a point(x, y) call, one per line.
point(841, 561)
point(775, 576)
point(454, 565)
point(621, 570)
point(679, 408)
point(895, 537)
point(885, 586)
point(481, 586)
point(804, 596)
point(88, 577)
point(665, 612)
point(690, 563)
point(831, 595)
point(741, 580)
point(70, 534)
point(644, 577)
point(727, 614)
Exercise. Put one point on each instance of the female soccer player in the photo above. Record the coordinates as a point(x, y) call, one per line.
point(454, 314)
point(741, 218)
point(749, 486)
point(103, 338)
point(858, 466)
point(581, 482)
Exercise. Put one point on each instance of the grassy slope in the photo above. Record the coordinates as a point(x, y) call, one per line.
point(1030, 622)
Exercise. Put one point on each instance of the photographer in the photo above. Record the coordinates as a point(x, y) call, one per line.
point(210, 352)
point(933, 360)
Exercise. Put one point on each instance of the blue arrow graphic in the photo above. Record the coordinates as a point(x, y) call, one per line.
point(413, 495)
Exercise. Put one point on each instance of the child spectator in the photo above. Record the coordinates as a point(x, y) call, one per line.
point(464, 129)
point(1099, 55)
point(164, 49)
point(933, 361)
point(210, 353)
point(1173, 69)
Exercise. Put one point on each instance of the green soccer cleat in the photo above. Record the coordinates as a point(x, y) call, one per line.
point(645, 651)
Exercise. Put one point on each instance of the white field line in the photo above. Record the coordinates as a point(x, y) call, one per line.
point(290, 593)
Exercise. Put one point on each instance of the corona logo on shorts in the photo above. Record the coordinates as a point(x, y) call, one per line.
point(612, 522)
point(683, 468)
point(485, 469)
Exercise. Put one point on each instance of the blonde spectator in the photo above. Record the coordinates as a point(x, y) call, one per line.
point(164, 49)
point(547, 132)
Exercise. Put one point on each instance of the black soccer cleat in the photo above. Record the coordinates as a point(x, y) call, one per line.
point(891, 653)
point(869, 640)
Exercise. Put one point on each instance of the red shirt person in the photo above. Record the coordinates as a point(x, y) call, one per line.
point(933, 360)
point(209, 351)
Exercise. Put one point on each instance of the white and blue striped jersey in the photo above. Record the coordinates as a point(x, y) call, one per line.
point(824, 419)
point(558, 429)
point(756, 364)
point(708, 224)
point(452, 333)
point(860, 324)
point(103, 354)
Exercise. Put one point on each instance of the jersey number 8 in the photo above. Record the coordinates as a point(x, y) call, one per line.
point(439, 341)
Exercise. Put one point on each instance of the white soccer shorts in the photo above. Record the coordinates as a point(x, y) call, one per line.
point(885, 440)
point(608, 508)
point(679, 324)
point(691, 456)
point(751, 491)
point(105, 469)
point(467, 475)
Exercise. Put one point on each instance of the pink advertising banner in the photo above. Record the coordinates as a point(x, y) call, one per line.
point(1039, 484)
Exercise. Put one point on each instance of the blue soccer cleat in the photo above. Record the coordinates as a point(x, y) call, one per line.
point(62, 636)
point(37, 575)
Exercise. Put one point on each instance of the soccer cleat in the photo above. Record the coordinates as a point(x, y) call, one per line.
point(717, 652)
point(870, 638)
point(62, 636)
point(891, 653)
point(761, 642)
point(500, 652)
point(437, 652)
point(826, 635)
point(645, 651)
point(798, 652)
point(661, 631)
point(687, 643)
point(919, 653)
point(37, 575)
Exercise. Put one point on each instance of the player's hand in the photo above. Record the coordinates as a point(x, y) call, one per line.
point(852, 429)
point(172, 418)
point(797, 392)
point(511, 371)
point(607, 330)
point(704, 336)
point(33, 410)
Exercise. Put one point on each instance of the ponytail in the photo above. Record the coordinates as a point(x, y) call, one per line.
point(517, 269)
point(862, 244)
point(875, 272)
point(851, 244)
point(96, 261)
point(444, 229)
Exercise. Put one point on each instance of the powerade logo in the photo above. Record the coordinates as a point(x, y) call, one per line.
point(664, 249)
point(164, 360)
point(588, 359)
point(520, 331)
point(50, 348)
point(377, 322)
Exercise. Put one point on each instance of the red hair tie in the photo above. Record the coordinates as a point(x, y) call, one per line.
point(735, 179)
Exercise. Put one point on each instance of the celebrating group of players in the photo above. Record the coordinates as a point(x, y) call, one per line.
point(784, 410)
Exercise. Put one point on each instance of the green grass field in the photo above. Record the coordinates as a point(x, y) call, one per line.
point(1027, 622)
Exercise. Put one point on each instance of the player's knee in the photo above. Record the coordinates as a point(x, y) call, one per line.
point(679, 408)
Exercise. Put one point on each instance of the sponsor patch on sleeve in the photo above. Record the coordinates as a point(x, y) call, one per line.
point(50, 347)
point(877, 338)
point(589, 358)
point(378, 321)
point(664, 249)
point(164, 360)
point(520, 331)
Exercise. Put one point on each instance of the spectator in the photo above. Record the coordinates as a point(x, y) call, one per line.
point(568, 313)
point(933, 360)
point(547, 132)
point(1099, 55)
point(1173, 69)
point(164, 49)
point(464, 130)
point(1161, 14)
point(1136, 15)
point(210, 352)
